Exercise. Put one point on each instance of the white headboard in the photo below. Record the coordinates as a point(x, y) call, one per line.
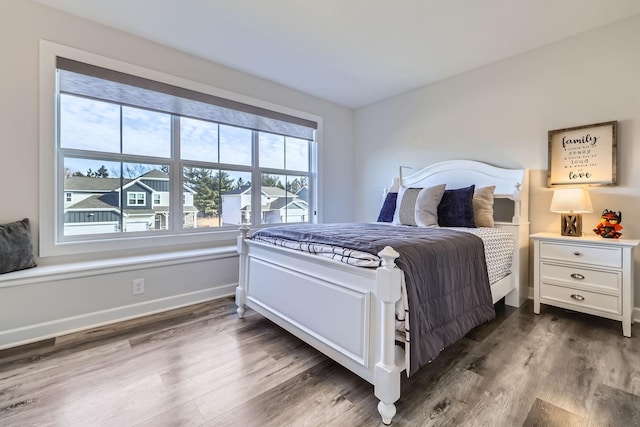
point(512, 184)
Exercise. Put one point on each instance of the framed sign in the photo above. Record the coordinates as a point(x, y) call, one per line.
point(583, 155)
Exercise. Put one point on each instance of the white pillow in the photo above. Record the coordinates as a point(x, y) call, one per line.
point(426, 211)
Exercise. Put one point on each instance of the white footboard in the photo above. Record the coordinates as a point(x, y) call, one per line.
point(346, 312)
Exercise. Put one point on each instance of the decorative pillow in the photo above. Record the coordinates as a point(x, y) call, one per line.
point(456, 208)
point(16, 252)
point(483, 206)
point(427, 205)
point(388, 208)
point(406, 206)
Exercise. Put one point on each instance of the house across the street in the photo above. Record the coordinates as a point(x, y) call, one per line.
point(107, 205)
point(277, 206)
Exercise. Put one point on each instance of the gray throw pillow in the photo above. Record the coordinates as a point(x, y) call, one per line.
point(405, 213)
point(16, 252)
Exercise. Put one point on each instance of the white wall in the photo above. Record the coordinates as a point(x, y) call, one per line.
point(32, 307)
point(501, 113)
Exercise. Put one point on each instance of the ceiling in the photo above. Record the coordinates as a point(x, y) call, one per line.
point(352, 52)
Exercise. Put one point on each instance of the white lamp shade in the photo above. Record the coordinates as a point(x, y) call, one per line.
point(571, 200)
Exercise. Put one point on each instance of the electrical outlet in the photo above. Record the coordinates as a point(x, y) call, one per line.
point(138, 286)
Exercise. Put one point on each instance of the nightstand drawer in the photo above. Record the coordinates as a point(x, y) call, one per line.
point(568, 276)
point(581, 299)
point(589, 255)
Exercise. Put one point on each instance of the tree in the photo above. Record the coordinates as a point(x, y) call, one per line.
point(101, 173)
point(225, 183)
point(208, 186)
point(132, 171)
point(296, 185)
point(201, 181)
point(271, 181)
point(240, 183)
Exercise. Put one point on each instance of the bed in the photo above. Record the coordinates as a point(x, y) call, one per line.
point(349, 312)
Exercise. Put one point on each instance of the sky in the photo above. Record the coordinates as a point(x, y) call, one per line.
point(88, 124)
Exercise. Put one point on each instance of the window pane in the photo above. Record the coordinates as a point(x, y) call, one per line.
point(92, 197)
point(96, 191)
point(271, 150)
point(297, 154)
point(210, 192)
point(198, 140)
point(88, 124)
point(236, 198)
point(146, 133)
point(284, 199)
point(297, 209)
point(235, 145)
point(143, 186)
point(273, 199)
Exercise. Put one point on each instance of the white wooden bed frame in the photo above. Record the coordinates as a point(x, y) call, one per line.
point(348, 312)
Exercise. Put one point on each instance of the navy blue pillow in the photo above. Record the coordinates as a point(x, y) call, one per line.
point(388, 208)
point(456, 208)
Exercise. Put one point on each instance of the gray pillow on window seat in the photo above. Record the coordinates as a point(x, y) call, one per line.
point(16, 252)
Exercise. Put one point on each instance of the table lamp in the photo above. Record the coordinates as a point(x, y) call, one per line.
point(571, 203)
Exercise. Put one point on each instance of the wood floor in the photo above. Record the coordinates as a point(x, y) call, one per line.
point(202, 366)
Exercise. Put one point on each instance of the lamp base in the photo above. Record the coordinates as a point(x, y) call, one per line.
point(571, 224)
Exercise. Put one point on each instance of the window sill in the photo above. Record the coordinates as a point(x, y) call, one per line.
point(46, 273)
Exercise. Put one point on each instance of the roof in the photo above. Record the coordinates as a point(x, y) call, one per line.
point(155, 174)
point(267, 191)
point(274, 191)
point(84, 183)
point(239, 190)
point(92, 202)
point(101, 202)
point(285, 201)
point(303, 194)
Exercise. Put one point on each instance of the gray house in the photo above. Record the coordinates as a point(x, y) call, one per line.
point(108, 205)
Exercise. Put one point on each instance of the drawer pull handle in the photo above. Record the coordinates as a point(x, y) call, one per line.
point(577, 297)
point(577, 276)
point(576, 253)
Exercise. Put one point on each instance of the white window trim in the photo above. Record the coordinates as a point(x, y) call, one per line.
point(48, 228)
point(156, 199)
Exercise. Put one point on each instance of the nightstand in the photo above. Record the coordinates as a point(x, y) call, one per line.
point(589, 274)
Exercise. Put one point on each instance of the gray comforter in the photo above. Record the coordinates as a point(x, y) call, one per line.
point(445, 273)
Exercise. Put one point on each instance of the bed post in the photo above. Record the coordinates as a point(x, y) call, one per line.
point(387, 371)
point(519, 227)
point(241, 290)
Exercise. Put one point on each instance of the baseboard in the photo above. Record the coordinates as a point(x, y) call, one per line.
point(41, 331)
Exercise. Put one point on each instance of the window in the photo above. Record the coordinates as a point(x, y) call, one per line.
point(144, 156)
point(136, 199)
